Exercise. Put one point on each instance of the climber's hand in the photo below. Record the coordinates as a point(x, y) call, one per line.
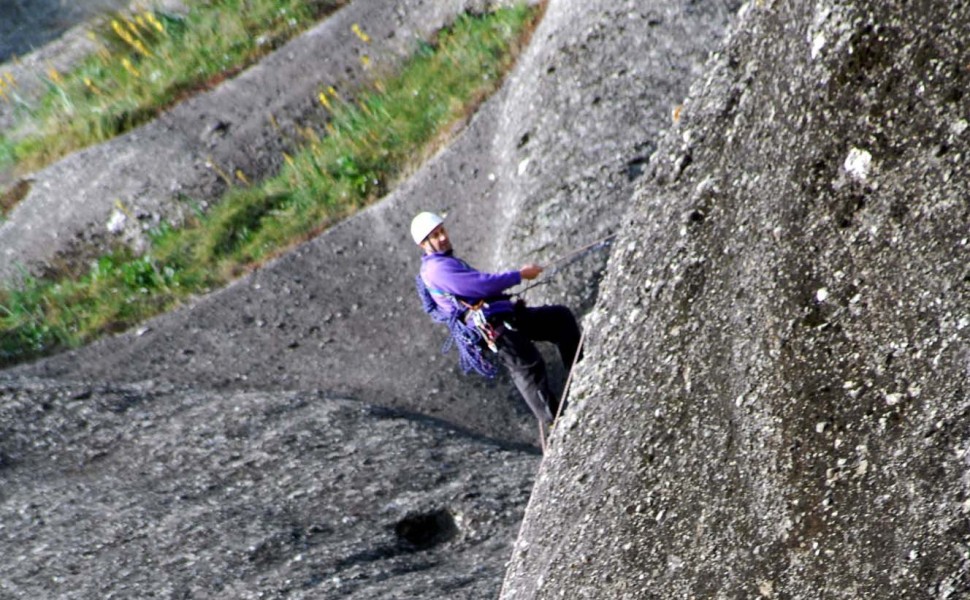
point(530, 271)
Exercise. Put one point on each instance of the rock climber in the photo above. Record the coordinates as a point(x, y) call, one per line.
point(508, 327)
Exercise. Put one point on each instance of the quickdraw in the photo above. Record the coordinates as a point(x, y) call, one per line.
point(477, 314)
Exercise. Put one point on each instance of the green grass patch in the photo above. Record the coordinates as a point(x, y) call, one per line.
point(368, 144)
point(144, 64)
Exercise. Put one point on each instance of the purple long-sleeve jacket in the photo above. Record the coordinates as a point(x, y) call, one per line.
point(447, 276)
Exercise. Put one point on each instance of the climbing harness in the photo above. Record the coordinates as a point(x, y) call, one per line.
point(466, 338)
point(477, 315)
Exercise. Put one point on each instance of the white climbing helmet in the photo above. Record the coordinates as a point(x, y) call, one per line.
point(423, 224)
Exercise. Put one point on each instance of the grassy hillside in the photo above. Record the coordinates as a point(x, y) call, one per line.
point(368, 144)
point(144, 64)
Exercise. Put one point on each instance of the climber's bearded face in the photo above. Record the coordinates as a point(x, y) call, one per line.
point(437, 241)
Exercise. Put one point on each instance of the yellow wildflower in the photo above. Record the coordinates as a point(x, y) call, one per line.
point(222, 174)
point(324, 101)
point(124, 35)
point(288, 159)
point(155, 22)
point(124, 209)
point(129, 67)
point(310, 134)
point(333, 92)
point(241, 176)
point(10, 79)
point(54, 76)
point(359, 33)
point(365, 60)
point(91, 86)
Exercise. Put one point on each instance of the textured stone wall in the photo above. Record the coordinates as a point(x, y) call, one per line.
point(774, 399)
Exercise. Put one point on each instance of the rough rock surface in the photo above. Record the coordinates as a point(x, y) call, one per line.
point(337, 318)
point(774, 401)
point(135, 492)
point(586, 108)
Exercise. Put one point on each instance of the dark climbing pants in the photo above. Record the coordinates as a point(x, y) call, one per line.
point(519, 354)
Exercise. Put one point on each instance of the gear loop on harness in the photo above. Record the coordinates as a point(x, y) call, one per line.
point(476, 314)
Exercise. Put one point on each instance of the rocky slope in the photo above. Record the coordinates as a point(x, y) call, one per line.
point(134, 492)
point(217, 451)
point(774, 403)
point(339, 313)
point(22, 27)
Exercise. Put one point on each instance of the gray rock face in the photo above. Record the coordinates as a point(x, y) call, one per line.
point(136, 492)
point(774, 399)
point(197, 455)
point(586, 110)
point(339, 313)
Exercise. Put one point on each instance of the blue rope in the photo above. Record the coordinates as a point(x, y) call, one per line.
point(471, 356)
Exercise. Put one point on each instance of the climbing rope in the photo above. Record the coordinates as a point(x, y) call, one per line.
point(568, 259)
point(553, 268)
point(565, 393)
point(463, 337)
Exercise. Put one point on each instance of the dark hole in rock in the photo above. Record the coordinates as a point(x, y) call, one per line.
point(426, 530)
point(6, 461)
point(635, 167)
point(696, 216)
